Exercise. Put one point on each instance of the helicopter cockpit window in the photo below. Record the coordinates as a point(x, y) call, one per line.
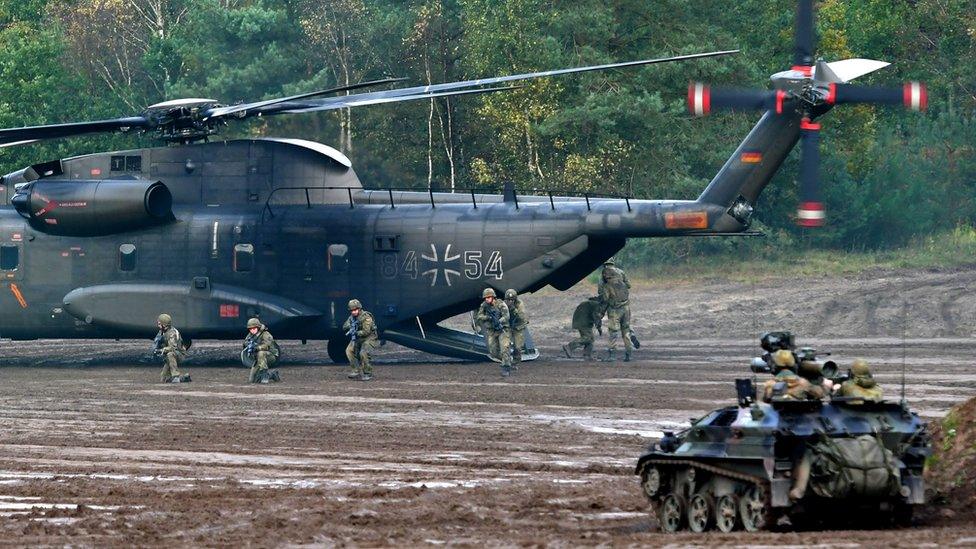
point(127, 257)
point(338, 260)
point(9, 257)
point(243, 258)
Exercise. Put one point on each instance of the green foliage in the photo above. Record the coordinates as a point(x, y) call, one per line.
point(891, 178)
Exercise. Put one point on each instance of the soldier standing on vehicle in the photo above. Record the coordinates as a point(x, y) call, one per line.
point(494, 318)
point(169, 345)
point(862, 384)
point(363, 340)
point(614, 289)
point(587, 316)
point(261, 346)
point(517, 320)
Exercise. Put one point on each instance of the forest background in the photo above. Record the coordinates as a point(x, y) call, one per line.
point(893, 180)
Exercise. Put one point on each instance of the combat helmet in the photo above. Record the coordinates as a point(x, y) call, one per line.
point(609, 263)
point(253, 323)
point(860, 368)
point(510, 293)
point(355, 304)
point(489, 292)
point(165, 319)
point(783, 359)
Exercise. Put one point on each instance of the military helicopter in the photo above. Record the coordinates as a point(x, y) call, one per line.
point(215, 232)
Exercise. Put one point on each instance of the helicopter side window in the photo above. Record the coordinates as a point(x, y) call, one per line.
point(127, 257)
point(338, 258)
point(9, 257)
point(243, 258)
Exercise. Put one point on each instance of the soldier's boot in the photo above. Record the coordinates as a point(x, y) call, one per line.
point(366, 377)
point(355, 374)
point(566, 350)
point(627, 355)
point(610, 356)
point(588, 353)
point(506, 370)
point(273, 375)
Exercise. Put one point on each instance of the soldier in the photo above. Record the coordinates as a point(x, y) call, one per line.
point(169, 345)
point(363, 340)
point(786, 384)
point(494, 318)
point(587, 316)
point(517, 320)
point(862, 384)
point(614, 289)
point(260, 344)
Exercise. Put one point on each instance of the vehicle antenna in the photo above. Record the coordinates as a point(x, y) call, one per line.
point(904, 329)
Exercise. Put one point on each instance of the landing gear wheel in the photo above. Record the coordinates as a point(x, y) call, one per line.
point(699, 514)
point(671, 515)
point(727, 513)
point(337, 350)
point(755, 510)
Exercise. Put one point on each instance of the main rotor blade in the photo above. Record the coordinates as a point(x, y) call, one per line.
point(234, 109)
point(367, 98)
point(20, 136)
point(380, 100)
point(811, 210)
point(804, 28)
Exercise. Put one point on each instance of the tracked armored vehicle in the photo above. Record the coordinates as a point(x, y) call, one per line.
point(738, 467)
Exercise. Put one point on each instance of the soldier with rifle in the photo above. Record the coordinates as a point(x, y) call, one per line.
point(261, 351)
point(360, 327)
point(494, 317)
point(614, 289)
point(517, 321)
point(169, 345)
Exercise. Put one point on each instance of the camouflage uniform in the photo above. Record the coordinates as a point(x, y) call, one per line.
point(172, 351)
point(862, 384)
point(518, 320)
point(366, 341)
point(588, 315)
point(498, 340)
point(614, 289)
point(265, 350)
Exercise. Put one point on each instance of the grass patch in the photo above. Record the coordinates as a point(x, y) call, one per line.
point(763, 258)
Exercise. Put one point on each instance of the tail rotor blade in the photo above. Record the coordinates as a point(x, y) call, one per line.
point(811, 210)
point(702, 99)
point(803, 49)
point(912, 95)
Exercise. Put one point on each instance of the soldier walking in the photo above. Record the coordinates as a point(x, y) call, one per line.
point(260, 344)
point(614, 290)
point(363, 340)
point(169, 345)
point(587, 316)
point(517, 321)
point(494, 318)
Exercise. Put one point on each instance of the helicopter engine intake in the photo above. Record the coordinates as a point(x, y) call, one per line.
point(93, 207)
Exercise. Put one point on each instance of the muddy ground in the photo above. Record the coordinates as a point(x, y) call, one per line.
point(432, 452)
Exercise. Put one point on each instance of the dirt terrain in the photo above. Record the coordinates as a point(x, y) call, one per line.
point(433, 452)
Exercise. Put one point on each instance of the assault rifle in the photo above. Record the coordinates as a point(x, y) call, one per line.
point(158, 343)
point(251, 347)
point(353, 328)
point(496, 319)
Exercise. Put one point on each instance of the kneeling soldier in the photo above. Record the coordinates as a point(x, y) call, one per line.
point(169, 345)
point(260, 345)
point(363, 340)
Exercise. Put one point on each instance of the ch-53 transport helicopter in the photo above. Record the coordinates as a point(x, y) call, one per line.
point(214, 232)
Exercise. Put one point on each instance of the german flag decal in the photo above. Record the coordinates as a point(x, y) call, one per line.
point(751, 157)
point(686, 220)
